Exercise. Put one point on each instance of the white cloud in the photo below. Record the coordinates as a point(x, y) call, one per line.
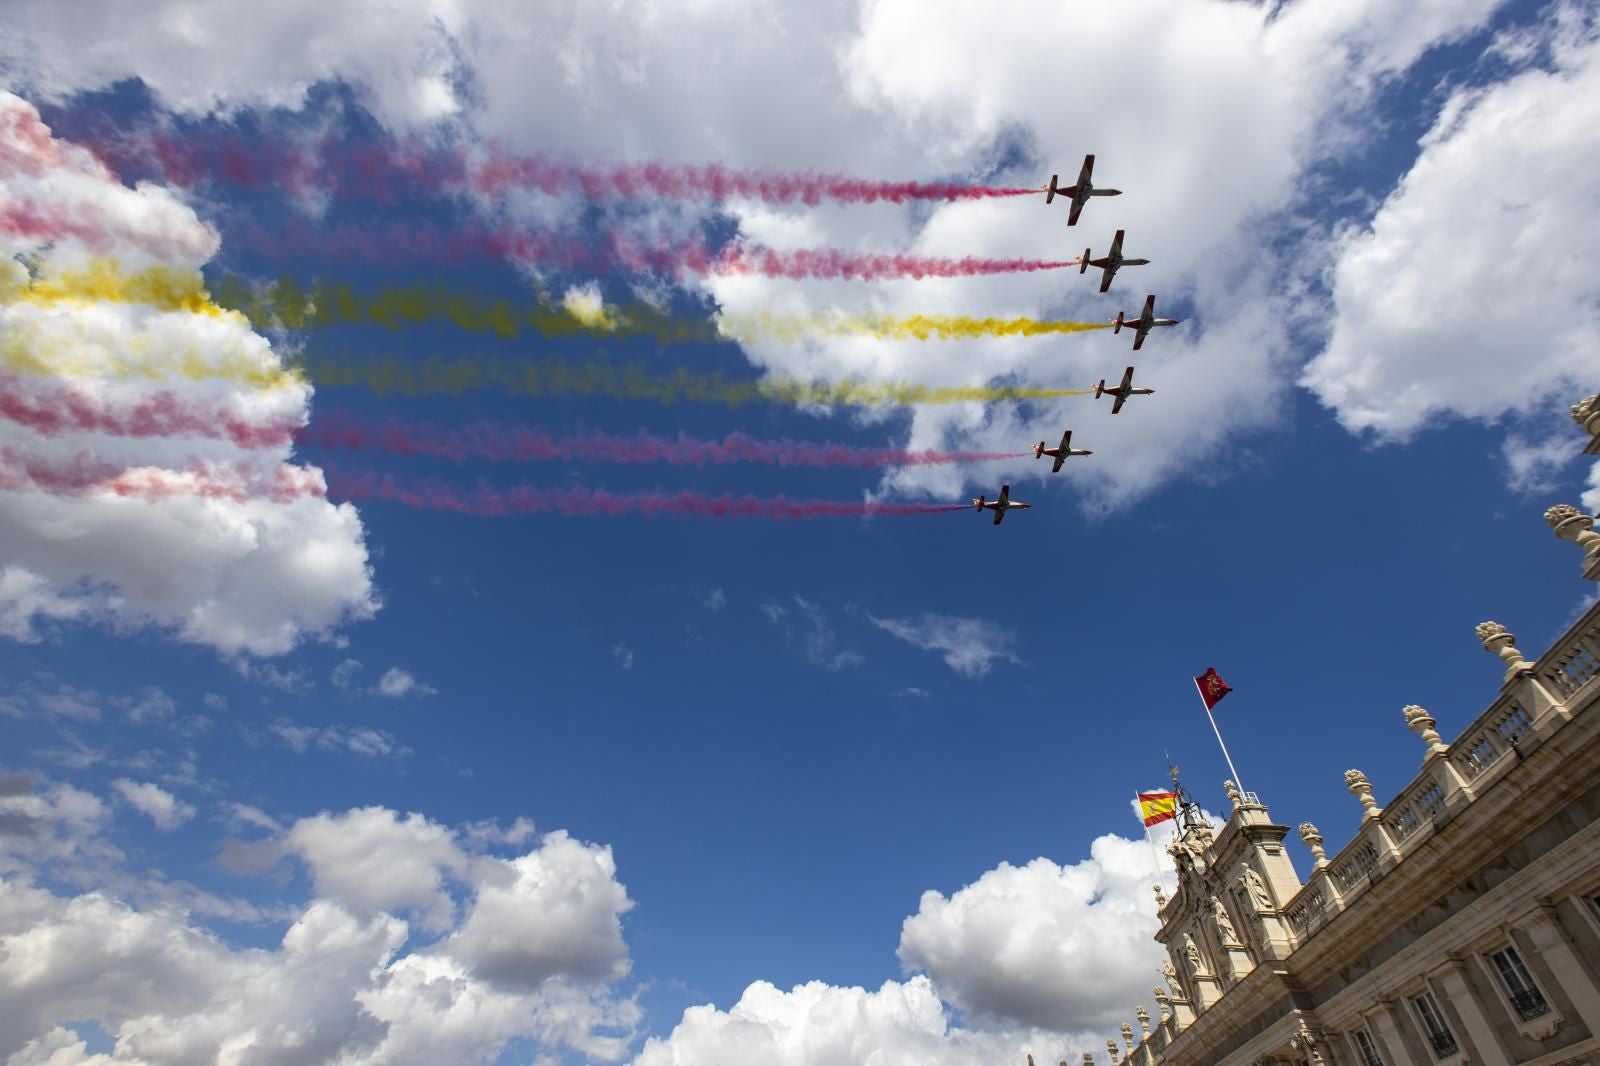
point(372, 860)
point(715, 600)
point(1469, 294)
point(154, 802)
point(357, 740)
point(816, 1024)
point(247, 577)
point(1066, 948)
point(555, 910)
point(806, 628)
point(1591, 497)
point(969, 646)
point(394, 684)
point(623, 655)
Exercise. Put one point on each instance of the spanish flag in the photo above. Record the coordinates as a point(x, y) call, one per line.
point(1157, 807)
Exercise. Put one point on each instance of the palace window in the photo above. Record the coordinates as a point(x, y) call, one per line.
point(1524, 995)
point(1433, 1023)
point(1369, 1050)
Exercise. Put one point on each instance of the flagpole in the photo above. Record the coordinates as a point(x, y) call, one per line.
point(1210, 718)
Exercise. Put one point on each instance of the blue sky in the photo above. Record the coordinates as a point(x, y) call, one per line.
point(726, 705)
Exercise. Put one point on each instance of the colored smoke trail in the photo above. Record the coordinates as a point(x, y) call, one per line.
point(104, 281)
point(634, 381)
point(525, 444)
point(393, 242)
point(385, 171)
point(83, 475)
point(50, 411)
point(524, 499)
point(23, 353)
point(325, 303)
point(893, 327)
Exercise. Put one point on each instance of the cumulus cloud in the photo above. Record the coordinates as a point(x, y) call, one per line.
point(817, 1024)
point(969, 646)
point(1066, 948)
point(1469, 295)
point(357, 740)
point(154, 802)
point(248, 576)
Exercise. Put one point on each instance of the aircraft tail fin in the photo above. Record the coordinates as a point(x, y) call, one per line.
point(1116, 326)
point(1099, 390)
point(1083, 264)
point(1051, 189)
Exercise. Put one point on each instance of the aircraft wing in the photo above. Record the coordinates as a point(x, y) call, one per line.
point(1149, 311)
point(1127, 380)
point(999, 515)
point(1139, 334)
point(1086, 172)
point(1005, 496)
point(1105, 279)
point(1122, 398)
point(1075, 210)
point(1061, 457)
point(1116, 245)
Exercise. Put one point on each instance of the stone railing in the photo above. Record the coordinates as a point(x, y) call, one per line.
point(1538, 697)
point(1572, 664)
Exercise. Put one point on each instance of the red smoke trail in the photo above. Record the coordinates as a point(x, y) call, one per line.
point(83, 475)
point(522, 444)
point(382, 171)
point(387, 243)
point(49, 411)
point(431, 496)
point(99, 231)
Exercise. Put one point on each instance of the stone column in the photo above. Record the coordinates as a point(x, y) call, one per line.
point(1381, 1024)
point(1544, 929)
point(1569, 523)
point(1586, 412)
point(1479, 1033)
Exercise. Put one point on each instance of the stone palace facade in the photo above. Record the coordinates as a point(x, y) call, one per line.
point(1460, 926)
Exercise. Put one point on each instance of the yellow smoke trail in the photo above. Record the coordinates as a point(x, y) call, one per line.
point(893, 327)
point(284, 302)
point(104, 281)
point(636, 382)
point(46, 347)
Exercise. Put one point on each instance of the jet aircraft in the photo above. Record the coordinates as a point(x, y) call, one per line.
point(1002, 505)
point(1060, 454)
point(1111, 262)
point(1144, 323)
point(1121, 392)
point(1080, 192)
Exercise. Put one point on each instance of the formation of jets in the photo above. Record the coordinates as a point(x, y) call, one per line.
point(1079, 194)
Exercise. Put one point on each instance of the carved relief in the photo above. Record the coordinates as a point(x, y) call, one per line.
point(1258, 890)
point(1224, 923)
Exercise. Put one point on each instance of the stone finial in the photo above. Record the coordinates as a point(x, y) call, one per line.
point(1113, 1050)
point(1361, 789)
point(1144, 1019)
point(1161, 997)
point(1586, 412)
point(1161, 897)
point(1423, 724)
point(1127, 1035)
point(1572, 524)
point(1498, 640)
point(1313, 840)
point(1231, 790)
point(1088, 1058)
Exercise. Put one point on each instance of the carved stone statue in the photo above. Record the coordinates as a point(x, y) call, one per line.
point(1586, 411)
point(1231, 790)
point(1191, 951)
point(1258, 889)
point(1423, 724)
point(1170, 973)
point(1498, 641)
point(1361, 789)
point(1313, 840)
point(1224, 923)
point(1572, 524)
